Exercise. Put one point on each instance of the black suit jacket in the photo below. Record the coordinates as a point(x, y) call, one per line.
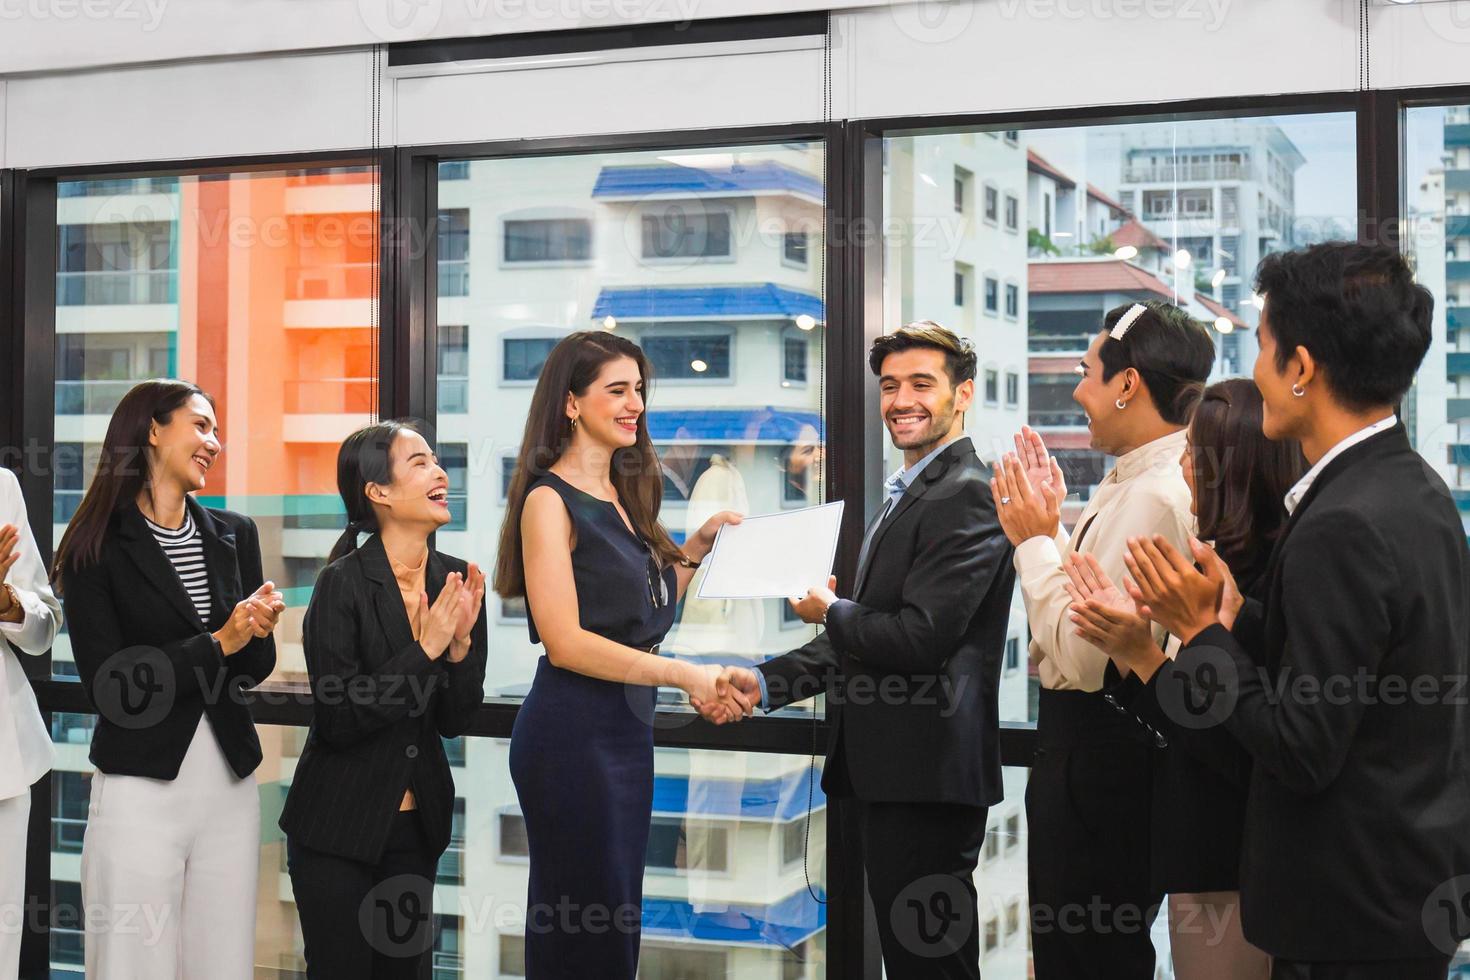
point(1359, 801)
point(912, 665)
point(380, 709)
point(150, 666)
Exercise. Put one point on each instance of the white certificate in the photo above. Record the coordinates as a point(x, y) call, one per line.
point(773, 556)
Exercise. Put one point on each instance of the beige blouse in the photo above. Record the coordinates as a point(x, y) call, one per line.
point(1144, 494)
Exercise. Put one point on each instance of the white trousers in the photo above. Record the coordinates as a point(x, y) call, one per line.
point(169, 870)
point(15, 813)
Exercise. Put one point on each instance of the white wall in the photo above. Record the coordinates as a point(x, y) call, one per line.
point(924, 57)
point(278, 104)
point(53, 35)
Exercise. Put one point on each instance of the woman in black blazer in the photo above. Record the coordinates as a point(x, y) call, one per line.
point(395, 641)
point(1237, 480)
point(169, 619)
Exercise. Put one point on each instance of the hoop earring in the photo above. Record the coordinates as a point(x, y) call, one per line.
point(1121, 404)
point(574, 424)
point(1298, 390)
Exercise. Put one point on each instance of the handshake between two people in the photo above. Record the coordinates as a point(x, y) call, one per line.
point(729, 694)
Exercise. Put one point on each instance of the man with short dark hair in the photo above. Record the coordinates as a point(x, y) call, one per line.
point(1347, 682)
point(912, 664)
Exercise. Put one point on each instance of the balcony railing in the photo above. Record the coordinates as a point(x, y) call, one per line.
point(111, 188)
point(1156, 213)
point(91, 397)
point(451, 863)
point(448, 966)
point(117, 288)
point(454, 396)
point(1058, 343)
point(454, 277)
point(66, 834)
point(1167, 173)
point(1058, 418)
point(331, 396)
point(64, 504)
point(344, 280)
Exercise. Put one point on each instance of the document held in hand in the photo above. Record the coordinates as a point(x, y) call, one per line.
point(773, 556)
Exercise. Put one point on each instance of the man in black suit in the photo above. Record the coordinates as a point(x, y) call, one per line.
point(1346, 684)
point(911, 665)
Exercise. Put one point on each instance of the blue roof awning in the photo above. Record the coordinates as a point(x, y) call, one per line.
point(778, 799)
point(750, 301)
point(673, 180)
point(732, 425)
point(786, 924)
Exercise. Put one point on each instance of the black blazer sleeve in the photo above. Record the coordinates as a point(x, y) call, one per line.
point(253, 662)
point(803, 673)
point(950, 577)
point(349, 702)
point(464, 690)
point(1339, 630)
point(91, 617)
point(1222, 754)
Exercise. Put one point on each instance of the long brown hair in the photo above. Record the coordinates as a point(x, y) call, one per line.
point(571, 367)
point(122, 469)
point(364, 457)
point(1240, 477)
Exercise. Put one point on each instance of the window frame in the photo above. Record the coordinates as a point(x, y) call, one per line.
point(407, 384)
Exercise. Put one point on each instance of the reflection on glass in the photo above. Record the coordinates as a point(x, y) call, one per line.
point(1437, 240)
point(259, 287)
point(725, 886)
point(1112, 214)
point(711, 260)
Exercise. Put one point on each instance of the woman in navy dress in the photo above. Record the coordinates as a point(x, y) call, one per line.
point(601, 577)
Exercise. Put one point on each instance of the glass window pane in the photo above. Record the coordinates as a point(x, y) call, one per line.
point(1437, 240)
point(258, 287)
point(1114, 213)
point(711, 260)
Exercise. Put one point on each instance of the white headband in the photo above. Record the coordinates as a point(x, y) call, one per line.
point(1126, 320)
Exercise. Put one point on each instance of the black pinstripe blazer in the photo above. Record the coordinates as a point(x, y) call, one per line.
point(380, 707)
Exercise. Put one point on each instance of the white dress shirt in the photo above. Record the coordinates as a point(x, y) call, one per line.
point(25, 745)
point(1144, 494)
point(1296, 493)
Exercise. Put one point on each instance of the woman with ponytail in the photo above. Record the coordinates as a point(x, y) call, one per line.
point(601, 576)
point(395, 643)
point(170, 617)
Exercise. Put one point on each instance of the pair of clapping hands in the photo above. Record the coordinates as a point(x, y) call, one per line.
point(1162, 586)
point(253, 617)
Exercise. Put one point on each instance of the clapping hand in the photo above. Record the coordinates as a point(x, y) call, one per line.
point(1108, 619)
point(733, 696)
point(439, 622)
point(471, 600)
point(1171, 591)
point(9, 555)
point(1028, 490)
point(253, 617)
